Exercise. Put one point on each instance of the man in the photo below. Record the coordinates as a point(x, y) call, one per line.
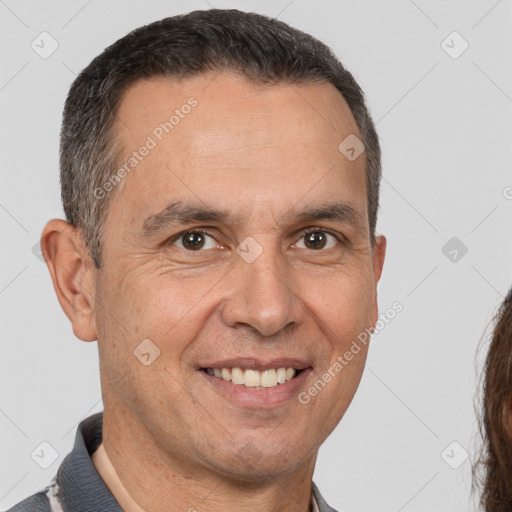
point(220, 178)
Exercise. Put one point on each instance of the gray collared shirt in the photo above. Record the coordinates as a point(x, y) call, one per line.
point(78, 487)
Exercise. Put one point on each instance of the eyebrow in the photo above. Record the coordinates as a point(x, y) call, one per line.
point(178, 212)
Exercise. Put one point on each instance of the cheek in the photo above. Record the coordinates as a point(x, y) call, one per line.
point(343, 311)
point(172, 310)
point(144, 334)
point(154, 304)
point(344, 303)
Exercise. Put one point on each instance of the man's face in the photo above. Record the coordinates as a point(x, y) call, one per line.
point(254, 292)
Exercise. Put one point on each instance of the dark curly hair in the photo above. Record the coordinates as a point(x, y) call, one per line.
point(492, 472)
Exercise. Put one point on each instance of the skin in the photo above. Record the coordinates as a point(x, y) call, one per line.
point(256, 151)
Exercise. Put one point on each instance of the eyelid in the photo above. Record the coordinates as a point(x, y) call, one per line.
point(314, 229)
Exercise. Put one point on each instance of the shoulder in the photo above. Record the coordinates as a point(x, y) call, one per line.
point(36, 503)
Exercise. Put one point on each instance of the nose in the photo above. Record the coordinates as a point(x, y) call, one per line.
point(263, 295)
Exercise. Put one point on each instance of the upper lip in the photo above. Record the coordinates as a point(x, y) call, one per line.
point(258, 364)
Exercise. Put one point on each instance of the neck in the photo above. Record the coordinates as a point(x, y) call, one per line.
point(157, 480)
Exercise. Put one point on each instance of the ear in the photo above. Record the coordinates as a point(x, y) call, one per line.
point(73, 275)
point(378, 256)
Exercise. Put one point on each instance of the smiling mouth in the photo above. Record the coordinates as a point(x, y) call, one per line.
point(251, 378)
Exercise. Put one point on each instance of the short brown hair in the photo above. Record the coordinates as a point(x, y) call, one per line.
point(263, 50)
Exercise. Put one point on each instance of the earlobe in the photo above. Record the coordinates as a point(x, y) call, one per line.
point(73, 275)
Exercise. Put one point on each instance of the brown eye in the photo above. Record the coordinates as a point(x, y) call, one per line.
point(315, 240)
point(194, 241)
point(318, 239)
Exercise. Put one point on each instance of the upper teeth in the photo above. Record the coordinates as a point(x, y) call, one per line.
point(253, 378)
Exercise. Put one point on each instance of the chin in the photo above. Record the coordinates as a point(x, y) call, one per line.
point(253, 463)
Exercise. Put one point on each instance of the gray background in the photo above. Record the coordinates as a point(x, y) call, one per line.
point(445, 129)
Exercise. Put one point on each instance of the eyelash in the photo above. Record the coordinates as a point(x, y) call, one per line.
point(303, 233)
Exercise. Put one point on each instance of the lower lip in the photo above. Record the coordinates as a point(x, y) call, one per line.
point(265, 398)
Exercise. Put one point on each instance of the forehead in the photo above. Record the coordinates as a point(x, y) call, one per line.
point(221, 139)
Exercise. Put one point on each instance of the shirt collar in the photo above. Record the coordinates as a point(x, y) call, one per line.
point(82, 489)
